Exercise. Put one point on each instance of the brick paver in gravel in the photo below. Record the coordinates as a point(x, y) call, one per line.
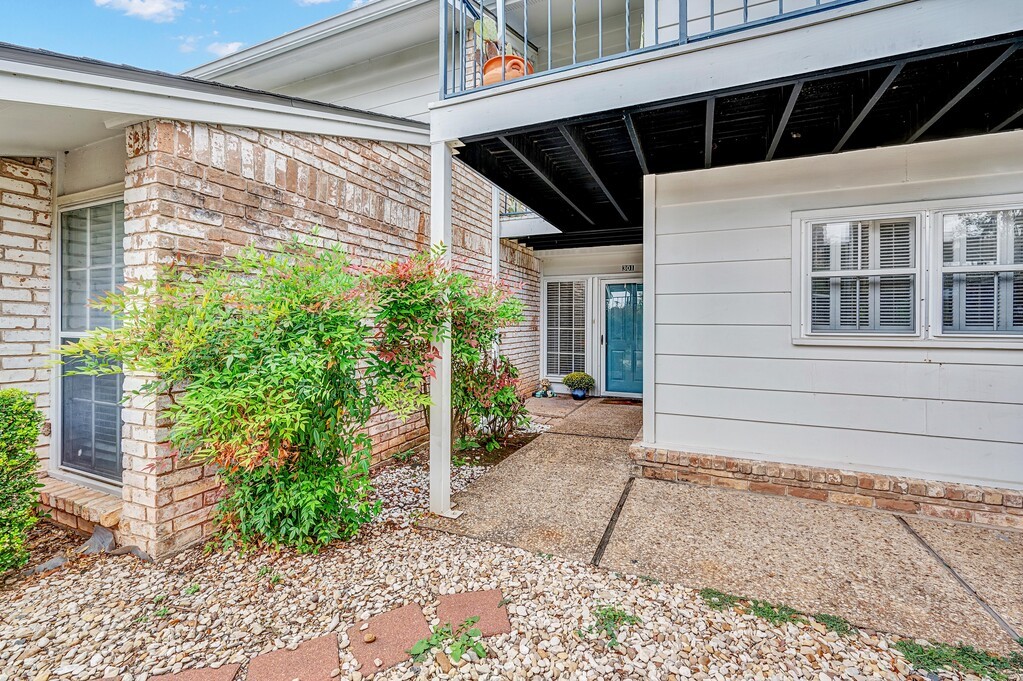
point(392, 634)
point(454, 609)
point(225, 673)
point(315, 660)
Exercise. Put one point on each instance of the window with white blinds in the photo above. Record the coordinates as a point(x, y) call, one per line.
point(863, 276)
point(566, 327)
point(982, 272)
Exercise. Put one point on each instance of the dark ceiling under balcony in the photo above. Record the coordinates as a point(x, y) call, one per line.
point(584, 175)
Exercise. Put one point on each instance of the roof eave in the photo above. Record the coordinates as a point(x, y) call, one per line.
point(346, 21)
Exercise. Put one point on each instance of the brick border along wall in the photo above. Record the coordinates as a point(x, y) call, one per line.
point(25, 228)
point(945, 500)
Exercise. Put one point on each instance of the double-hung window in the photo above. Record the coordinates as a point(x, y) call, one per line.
point(565, 313)
point(864, 276)
point(982, 272)
point(939, 272)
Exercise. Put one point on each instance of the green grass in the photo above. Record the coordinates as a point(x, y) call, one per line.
point(162, 612)
point(649, 580)
point(610, 618)
point(406, 456)
point(961, 658)
point(718, 600)
point(835, 623)
point(192, 589)
point(775, 614)
point(459, 641)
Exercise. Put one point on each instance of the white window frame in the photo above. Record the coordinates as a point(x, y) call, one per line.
point(939, 269)
point(929, 333)
point(587, 303)
point(801, 286)
point(63, 204)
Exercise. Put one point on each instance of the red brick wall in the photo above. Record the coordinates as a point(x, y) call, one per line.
point(521, 269)
point(195, 192)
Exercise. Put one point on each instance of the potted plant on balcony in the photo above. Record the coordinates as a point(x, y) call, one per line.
point(580, 383)
point(498, 64)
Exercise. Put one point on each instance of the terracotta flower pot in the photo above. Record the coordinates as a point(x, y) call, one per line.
point(514, 67)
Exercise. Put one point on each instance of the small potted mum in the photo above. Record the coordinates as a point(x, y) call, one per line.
point(580, 383)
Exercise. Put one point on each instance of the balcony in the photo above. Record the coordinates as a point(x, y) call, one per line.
point(488, 43)
point(518, 221)
point(609, 100)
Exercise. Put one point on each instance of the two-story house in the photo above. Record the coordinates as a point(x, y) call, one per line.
point(793, 228)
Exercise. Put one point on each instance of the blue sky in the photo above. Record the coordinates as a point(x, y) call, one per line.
point(168, 35)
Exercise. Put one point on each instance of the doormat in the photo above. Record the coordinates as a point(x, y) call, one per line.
point(620, 400)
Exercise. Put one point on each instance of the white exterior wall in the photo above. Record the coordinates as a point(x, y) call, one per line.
point(400, 83)
point(730, 378)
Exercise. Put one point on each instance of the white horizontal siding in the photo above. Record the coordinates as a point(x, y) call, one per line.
point(398, 84)
point(922, 380)
point(728, 377)
point(865, 450)
point(756, 309)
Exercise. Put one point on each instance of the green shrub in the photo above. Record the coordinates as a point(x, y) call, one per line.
point(579, 380)
point(19, 432)
point(484, 383)
point(277, 362)
point(276, 366)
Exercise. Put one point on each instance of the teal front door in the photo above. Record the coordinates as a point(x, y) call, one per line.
point(623, 337)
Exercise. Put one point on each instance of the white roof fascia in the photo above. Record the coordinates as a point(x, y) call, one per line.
point(124, 98)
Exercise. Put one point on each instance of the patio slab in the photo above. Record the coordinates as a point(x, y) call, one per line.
point(555, 495)
point(548, 409)
point(988, 559)
point(818, 558)
point(454, 609)
point(315, 660)
point(392, 633)
point(600, 418)
point(225, 673)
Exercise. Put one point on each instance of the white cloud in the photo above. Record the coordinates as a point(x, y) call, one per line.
point(188, 43)
point(151, 10)
point(224, 49)
point(306, 3)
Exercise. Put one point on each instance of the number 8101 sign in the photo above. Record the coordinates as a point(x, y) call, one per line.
point(628, 268)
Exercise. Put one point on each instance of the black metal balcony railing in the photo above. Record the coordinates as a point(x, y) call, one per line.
point(510, 207)
point(489, 42)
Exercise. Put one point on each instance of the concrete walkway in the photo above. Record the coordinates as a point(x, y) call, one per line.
point(569, 493)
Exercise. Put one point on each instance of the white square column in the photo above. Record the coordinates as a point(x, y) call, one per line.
point(440, 386)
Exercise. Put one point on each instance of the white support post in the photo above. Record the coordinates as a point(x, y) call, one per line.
point(495, 232)
point(440, 386)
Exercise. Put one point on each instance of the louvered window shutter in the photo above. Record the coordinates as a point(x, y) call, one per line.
point(982, 272)
point(848, 294)
point(566, 327)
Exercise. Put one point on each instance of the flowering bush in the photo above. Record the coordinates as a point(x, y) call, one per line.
point(579, 380)
point(275, 364)
point(484, 385)
point(275, 367)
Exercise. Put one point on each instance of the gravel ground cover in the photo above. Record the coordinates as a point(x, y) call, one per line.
point(115, 616)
